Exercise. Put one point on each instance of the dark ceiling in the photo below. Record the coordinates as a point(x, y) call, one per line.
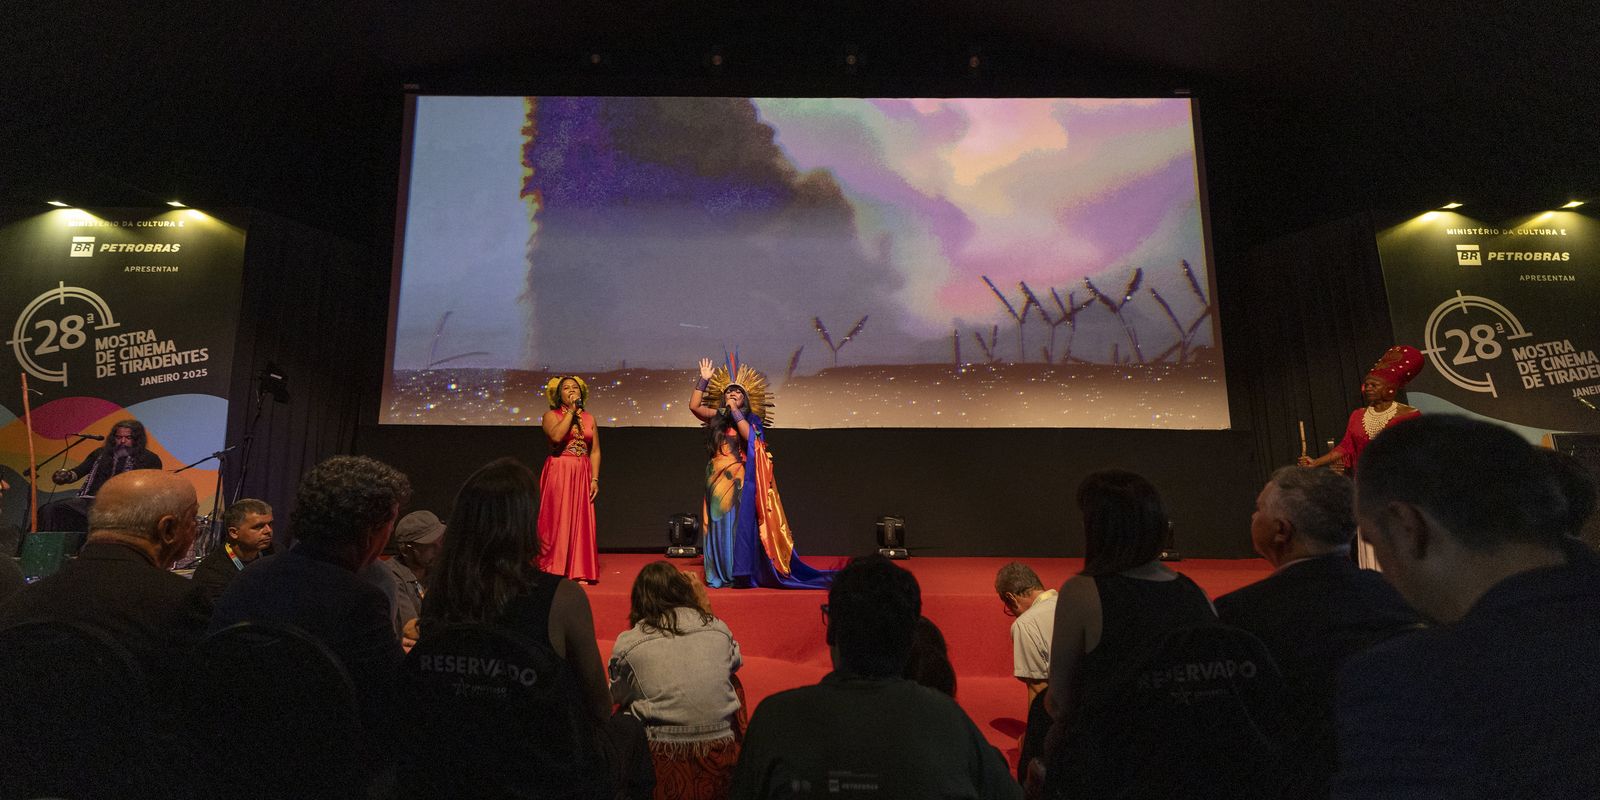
point(1309, 111)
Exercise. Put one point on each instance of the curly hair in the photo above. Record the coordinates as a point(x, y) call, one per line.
point(342, 498)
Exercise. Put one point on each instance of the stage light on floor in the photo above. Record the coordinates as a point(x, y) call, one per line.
point(57, 204)
point(892, 537)
point(1573, 204)
point(1169, 545)
point(683, 531)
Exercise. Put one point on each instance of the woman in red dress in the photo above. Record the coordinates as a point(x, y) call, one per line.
point(569, 482)
point(1397, 367)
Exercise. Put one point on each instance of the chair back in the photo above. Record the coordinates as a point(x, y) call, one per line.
point(261, 686)
point(75, 713)
point(493, 713)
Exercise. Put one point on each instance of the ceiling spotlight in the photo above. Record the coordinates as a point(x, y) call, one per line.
point(1448, 206)
point(176, 204)
point(1573, 204)
point(58, 204)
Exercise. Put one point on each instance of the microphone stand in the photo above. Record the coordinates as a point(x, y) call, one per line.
point(32, 474)
point(249, 440)
point(215, 525)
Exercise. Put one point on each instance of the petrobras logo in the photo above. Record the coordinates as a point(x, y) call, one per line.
point(82, 246)
point(1468, 255)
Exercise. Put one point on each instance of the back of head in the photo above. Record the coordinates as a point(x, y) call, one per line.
point(1483, 483)
point(343, 498)
point(929, 663)
point(1577, 484)
point(1017, 579)
point(658, 591)
point(1318, 502)
point(493, 540)
point(135, 502)
point(1124, 521)
point(873, 608)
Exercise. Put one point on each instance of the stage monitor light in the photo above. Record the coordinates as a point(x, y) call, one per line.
point(1448, 206)
point(57, 204)
point(683, 530)
point(176, 204)
point(1573, 204)
point(892, 537)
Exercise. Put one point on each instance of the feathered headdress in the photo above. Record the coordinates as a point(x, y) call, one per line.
point(552, 390)
point(756, 392)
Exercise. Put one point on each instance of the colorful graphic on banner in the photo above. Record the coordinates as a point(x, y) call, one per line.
point(116, 314)
point(1505, 313)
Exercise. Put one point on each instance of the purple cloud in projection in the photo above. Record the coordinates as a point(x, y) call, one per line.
point(668, 227)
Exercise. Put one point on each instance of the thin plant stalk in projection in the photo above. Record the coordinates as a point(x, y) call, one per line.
point(433, 348)
point(822, 330)
point(955, 345)
point(794, 362)
point(988, 347)
point(1021, 317)
point(1069, 315)
point(1186, 333)
point(1116, 308)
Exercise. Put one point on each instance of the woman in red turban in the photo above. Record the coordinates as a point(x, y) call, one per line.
point(1397, 367)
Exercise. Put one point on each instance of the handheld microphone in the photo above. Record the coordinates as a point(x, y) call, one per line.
point(93, 436)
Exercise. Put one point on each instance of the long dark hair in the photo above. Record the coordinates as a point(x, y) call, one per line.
point(493, 538)
point(717, 426)
point(141, 440)
point(658, 591)
point(1124, 521)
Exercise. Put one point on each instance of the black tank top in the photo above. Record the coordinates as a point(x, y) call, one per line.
point(1135, 616)
point(529, 612)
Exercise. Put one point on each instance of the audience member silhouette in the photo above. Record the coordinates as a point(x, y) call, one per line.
point(1315, 611)
point(1110, 618)
point(865, 729)
point(1500, 698)
point(673, 670)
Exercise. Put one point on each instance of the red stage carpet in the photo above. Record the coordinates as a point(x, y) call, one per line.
point(781, 634)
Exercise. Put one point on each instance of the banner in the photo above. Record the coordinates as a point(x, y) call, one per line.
point(116, 314)
point(1506, 314)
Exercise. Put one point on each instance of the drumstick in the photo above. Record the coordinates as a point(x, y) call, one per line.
point(33, 477)
point(1302, 438)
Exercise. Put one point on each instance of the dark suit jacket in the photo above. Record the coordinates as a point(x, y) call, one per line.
point(1501, 704)
point(309, 590)
point(156, 615)
point(1313, 615)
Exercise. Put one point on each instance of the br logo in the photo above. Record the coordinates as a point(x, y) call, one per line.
point(1468, 255)
point(82, 246)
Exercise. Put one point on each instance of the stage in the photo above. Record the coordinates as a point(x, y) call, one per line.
point(781, 632)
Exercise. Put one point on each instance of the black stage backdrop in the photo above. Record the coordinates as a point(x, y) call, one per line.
point(314, 306)
point(961, 492)
point(1308, 318)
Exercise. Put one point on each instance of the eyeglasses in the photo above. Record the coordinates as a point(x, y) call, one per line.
point(824, 608)
point(1010, 605)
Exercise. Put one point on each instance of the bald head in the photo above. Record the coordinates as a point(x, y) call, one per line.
point(148, 504)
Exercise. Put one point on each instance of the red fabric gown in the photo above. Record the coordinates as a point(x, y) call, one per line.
point(1356, 439)
point(566, 516)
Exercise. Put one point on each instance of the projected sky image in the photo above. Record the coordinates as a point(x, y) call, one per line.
point(962, 262)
